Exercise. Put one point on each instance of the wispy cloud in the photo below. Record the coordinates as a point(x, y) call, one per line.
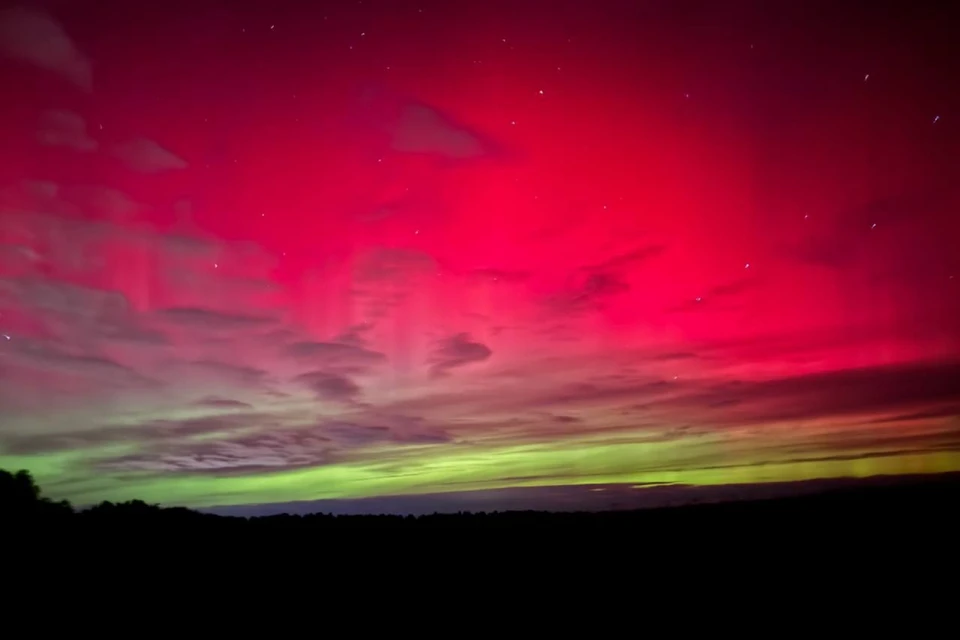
point(456, 351)
point(424, 129)
point(62, 128)
point(36, 38)
point(277, 448)
point(214, 402)
point(209, 320)
point(589, 287)
point(146, 156)
point(330, 386)
point(334, 355)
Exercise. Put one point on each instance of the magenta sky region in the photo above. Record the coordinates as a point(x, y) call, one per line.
point(263, 252)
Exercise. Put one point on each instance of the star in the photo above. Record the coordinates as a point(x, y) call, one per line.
point(216, 266)
point(746, 266)
point(873, 226)
point(935, 119)
point(697, 299)
point(272, 26)
point(541, 91)
point(513, 122)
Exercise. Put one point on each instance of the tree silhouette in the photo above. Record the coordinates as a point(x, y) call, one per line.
point(20, 497)
point(916, 502)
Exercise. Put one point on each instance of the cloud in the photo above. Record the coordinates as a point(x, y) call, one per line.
point(62, 128)
point(307, 445)
point(83, 331)
point(17, 257)
point(335, 355)
point(827, 250)
point(722, 293)
point(100, 233)
point(330, 386)
point(213, 402)
point(334, 362)
point(845, 392)
point(56, 363)
point(674, 355)
point(146, 433)
point(943, 411)
point(629, 259)
point(587, 291)
point(600, 393)
point(208, 320)
point(354, 336)
point(456, 351)
point(732, 289)
point(422, 129)
point(385, 264)
point(500, 275)
point(230, 373)
point(34, 37)
point(641, 408)
point(590, 286)
point(856, 442)
point(22, 203)
point(63, 297)
point(261, 452)
point(103, 202)
point(146, 156)
point(842, 240)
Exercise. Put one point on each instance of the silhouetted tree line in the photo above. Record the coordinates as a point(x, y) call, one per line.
point(916, 504)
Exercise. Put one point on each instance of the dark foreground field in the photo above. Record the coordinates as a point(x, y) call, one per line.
point(889, 534)
point(911, 506)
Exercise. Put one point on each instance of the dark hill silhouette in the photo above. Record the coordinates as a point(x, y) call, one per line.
point(911, 505)
point(881, 530)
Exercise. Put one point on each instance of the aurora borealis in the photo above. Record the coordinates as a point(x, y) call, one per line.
point(254, 253)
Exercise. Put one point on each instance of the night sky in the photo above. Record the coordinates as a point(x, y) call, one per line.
point(263, 252)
